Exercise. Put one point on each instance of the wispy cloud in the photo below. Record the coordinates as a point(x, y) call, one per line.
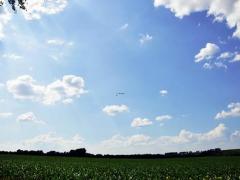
point(163, 118)
point(29, 117)
point(124, 27)
point(144, 38)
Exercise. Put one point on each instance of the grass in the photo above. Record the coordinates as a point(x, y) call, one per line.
point(39, 167)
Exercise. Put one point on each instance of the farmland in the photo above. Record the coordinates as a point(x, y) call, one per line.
point(40, 167)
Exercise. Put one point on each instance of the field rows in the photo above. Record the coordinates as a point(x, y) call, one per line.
point(33, 167)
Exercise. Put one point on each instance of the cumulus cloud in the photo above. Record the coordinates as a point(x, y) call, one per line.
point(236, 58)
point(26, 88)
point(37, 8)
point(144, 38)
point(140, 122)
point(4, 115)
point(163, 118)
point(46, 142)
point(221, 10)
point(185, 140)
point(29, 117)
point(234, 111)
point(187, 136)
point(51, 141)
point(208, 52)
point(163, 92)
point(5, 17)
point(113, 110)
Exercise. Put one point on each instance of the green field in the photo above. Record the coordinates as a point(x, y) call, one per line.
point(34, 167)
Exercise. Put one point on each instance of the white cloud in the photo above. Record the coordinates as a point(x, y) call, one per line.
point(59, 42)
point(144, 38)
point(5, 115)
point(124, 27)
point(207, 66)
point(183, 141)
point(140, 122)
point(220, 65)
point(163, 92)
point(46, 142)
point(12, 56)
point(51, 141)
point(58, 48)
point(207, 53)
point(29, 117)
point(37, 8)
point(210, 66)
point(26, 88)
point(236, 58)
point(163, 118)
point(139, 143)
point(234, 111)
point(56, 42)
point(5, 17)
point(221, 10)
point(121, 141)
point(235, 136)
point(68, 101)
point(113, 110)
point(225, 55)
point(186, 136)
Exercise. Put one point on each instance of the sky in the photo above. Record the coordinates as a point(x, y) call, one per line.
point(120, 77)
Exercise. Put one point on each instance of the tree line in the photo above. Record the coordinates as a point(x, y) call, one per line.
point(82, 152)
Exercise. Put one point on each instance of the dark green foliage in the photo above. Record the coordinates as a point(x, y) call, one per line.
point(13, 3)
point(40, 167)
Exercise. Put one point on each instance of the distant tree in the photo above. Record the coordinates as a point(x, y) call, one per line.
point(13, 3)
point(78, 152)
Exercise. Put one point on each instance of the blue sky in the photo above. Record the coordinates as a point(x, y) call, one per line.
point(176, 67)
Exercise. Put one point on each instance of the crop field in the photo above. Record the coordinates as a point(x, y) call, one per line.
point(38, 167)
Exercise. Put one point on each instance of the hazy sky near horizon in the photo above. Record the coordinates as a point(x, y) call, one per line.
point(120, 76)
